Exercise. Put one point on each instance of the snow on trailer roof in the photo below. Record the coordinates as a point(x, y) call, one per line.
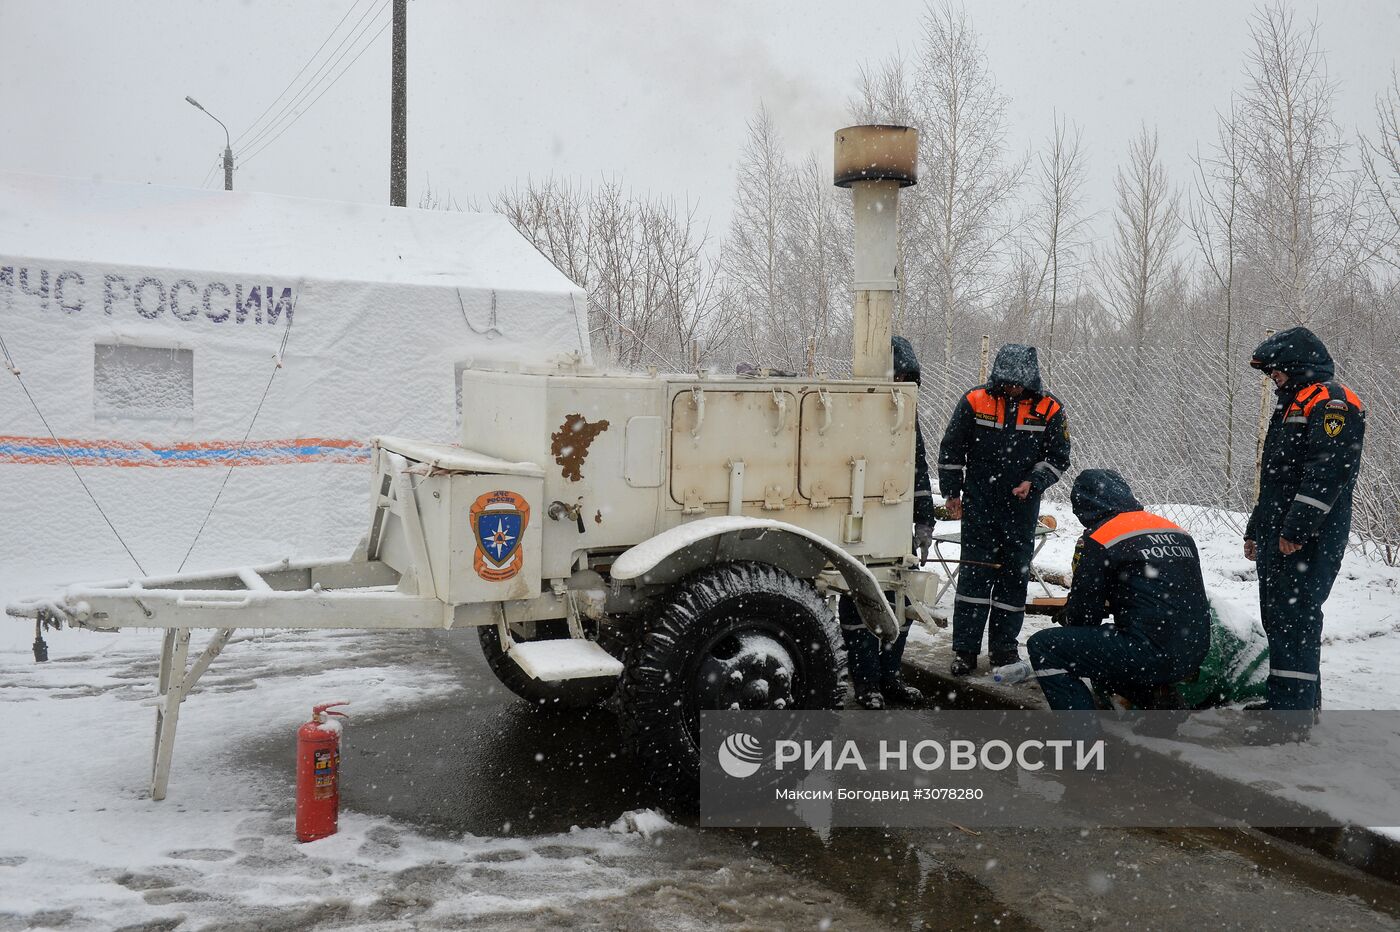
point(451, 458)
point(111, 223)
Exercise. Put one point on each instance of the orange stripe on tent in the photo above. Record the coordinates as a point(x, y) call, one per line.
point(45, 451)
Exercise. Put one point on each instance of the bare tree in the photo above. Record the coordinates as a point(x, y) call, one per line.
point(1381, 159)
point(1214, 224)
point(967, 181)
point(1138, 263)
point(817, 280)
point(655, 294)
point(553, 215)
point(622, 299)
point(1298, 197)
point(955, 228)
point(1025, 274)
point(690, 291)
point(753, 253)
point(883, 94)
point(1061, 204)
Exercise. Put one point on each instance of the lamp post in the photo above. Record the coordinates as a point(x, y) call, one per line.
point(228, 146)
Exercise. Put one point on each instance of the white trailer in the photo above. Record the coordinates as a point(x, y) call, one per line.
point(671, 538)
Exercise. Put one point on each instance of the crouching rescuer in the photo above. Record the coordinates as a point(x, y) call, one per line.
point(874, 666)
point(1144, 571)
point(1006, 443)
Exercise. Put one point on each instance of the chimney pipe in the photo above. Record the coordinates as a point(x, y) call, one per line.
point(875, 161)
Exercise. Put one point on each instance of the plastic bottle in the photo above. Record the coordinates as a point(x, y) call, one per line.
point(1017, 672)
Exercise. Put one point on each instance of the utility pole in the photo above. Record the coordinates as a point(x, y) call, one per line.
point(228, 146)
point(398, 108)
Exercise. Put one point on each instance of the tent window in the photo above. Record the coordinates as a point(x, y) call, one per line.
point(145, 382)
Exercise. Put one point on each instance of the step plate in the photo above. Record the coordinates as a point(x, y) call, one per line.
point(564, 659)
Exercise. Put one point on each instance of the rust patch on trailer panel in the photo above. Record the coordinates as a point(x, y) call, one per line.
point(571, 441)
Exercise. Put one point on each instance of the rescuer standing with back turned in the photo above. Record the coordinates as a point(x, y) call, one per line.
point(1006, 443)
point(1298, 529)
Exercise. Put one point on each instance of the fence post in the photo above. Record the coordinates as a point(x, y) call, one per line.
point(1264, 411)
point(986, 351)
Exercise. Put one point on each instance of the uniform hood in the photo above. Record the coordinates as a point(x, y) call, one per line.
point(1099, 494)
point(1298, 353)
point(906, 364)
point(1017, 364)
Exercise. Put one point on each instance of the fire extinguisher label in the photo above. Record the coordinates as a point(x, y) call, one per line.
point(324, 764)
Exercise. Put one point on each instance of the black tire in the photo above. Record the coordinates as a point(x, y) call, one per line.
point(669, 676)
point(566, 695)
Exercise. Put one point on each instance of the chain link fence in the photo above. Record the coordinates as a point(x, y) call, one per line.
point(1185, 431)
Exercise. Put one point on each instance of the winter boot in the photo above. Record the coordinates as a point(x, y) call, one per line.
point(870, 699)
point(899, 693)
point(963, 664)
point(1167, 712)
point(1166, 698)
point(1005, 658)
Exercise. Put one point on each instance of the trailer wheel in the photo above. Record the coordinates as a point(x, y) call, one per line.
point(568, 694)
point(734, 636)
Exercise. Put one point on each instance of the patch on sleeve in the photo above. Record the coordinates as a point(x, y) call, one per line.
point(1336, 404)
point(1332, 423)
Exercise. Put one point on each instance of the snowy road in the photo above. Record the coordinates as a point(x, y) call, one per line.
point(465, 808)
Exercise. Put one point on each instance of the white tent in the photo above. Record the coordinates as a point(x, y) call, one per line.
point(148, 322)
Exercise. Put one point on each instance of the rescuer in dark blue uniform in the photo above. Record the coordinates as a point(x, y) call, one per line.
point(1298, 529)
point(1006, 443)
point(1144, 571)
point(875, 667)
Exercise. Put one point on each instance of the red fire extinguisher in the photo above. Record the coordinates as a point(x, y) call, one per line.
point(318, 774)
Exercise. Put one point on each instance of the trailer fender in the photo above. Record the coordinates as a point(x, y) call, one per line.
point(680, 551)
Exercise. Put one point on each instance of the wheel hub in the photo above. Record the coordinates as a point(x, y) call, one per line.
point(747, 670)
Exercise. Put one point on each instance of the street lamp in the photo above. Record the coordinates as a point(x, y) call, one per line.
point(228, 146)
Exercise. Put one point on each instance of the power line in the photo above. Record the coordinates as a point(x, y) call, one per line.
point(317, 77)
point(365, 48)
point(210, 173)
point(350, 38)
point(312, 82)
point(295, 77)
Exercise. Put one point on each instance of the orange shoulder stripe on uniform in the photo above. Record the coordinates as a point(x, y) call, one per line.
point(983, 404)
point(1313, 398)
point(1310, 396)
point(1128, 524)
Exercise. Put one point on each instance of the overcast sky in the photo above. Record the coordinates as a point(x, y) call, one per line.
point(654, 92)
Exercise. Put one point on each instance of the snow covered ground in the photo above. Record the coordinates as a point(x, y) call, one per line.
point(82, 847)
point(1361, 632)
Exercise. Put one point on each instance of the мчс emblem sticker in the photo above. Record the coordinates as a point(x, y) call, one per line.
point(498, 522)
point(1332, 424)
